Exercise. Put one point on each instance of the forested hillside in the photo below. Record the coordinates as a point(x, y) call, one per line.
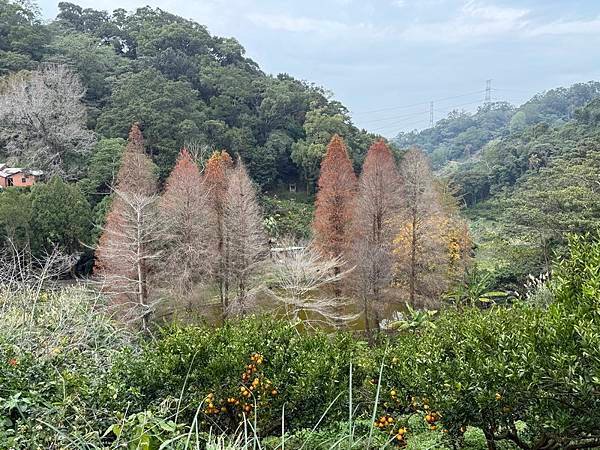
point(183, 85)
point(73, 87)
point(526, 175)
point(462, 135)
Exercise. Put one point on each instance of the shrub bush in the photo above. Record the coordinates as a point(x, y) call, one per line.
point(525, 376)
point(246, 364)
point(55, 350)
point(499, 368)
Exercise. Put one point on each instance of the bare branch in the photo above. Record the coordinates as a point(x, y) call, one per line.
point(43, 120)
point(300, 280)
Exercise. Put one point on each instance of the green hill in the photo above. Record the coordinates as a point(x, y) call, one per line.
point(526, 175)
point(184, 85)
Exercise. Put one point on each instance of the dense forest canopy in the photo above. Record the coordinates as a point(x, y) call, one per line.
point(184, 86)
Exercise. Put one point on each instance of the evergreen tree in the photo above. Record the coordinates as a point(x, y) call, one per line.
point(15, 217)
point(60, 217)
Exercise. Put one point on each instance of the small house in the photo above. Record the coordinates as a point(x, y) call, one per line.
point(16, 176)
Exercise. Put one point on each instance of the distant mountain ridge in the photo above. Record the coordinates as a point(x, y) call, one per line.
point(528, 176)
point(462, 135)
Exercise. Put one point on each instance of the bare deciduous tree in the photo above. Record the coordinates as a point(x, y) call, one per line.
point(130, 242)
point(184, 215)
point(43, 120)
point(23, 273)
point(301, 280)
point(200, 152)
point(244, 234)
point(19, 268)
point(374, 228)
point(421, 255)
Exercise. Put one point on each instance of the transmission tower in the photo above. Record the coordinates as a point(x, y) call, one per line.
point(431, 114)
point(488, 92)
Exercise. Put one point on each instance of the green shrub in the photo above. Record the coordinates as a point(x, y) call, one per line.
point(493, 369)
point(53, 358)
point(522, 376)
point(199, 367)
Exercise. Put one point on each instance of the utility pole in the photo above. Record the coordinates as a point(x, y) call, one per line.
point(488, 92)
point(431, 114)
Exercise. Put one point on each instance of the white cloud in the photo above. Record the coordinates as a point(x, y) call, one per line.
point(477, 19)
point(564, 28)
point(284, 22)
point(468, 20)
point(323, 27)
point(491, 13)
point(474, 20)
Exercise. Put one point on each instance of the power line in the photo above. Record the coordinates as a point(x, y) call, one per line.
point(417, 104)
point(444, 111)
point(512, 90)
point(423, 117)
point(487, 92)
point(452, 108)
point(422, 120)
point(383, 119)
point(413, 114)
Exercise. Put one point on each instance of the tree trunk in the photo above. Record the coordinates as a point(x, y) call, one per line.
point(141, 272)
point(336, 286)
point(366, 312)
point(143, 295)
point(489, 438)
point(413, 258)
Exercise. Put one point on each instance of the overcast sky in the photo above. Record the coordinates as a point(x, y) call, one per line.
point(387, 59)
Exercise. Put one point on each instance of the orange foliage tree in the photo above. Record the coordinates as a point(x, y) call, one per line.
point(374, 228)
point(183, 210)
point(129, 245)
point(216, 180)
point(335, 200)
point(432, 246)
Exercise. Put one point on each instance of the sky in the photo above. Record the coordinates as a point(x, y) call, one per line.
point(386, 60)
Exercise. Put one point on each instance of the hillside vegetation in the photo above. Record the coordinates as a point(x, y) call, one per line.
point(523, 377)
point(217, 258)
point(184, 85)
point(526, 175)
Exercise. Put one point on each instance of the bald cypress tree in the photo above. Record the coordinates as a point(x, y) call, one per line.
point(420, 249)
point(128, 246)
point(244, 235)
point(183, 211)
point(216, 179)
point(335, 200)
point(432, 246)
point(374, 228)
